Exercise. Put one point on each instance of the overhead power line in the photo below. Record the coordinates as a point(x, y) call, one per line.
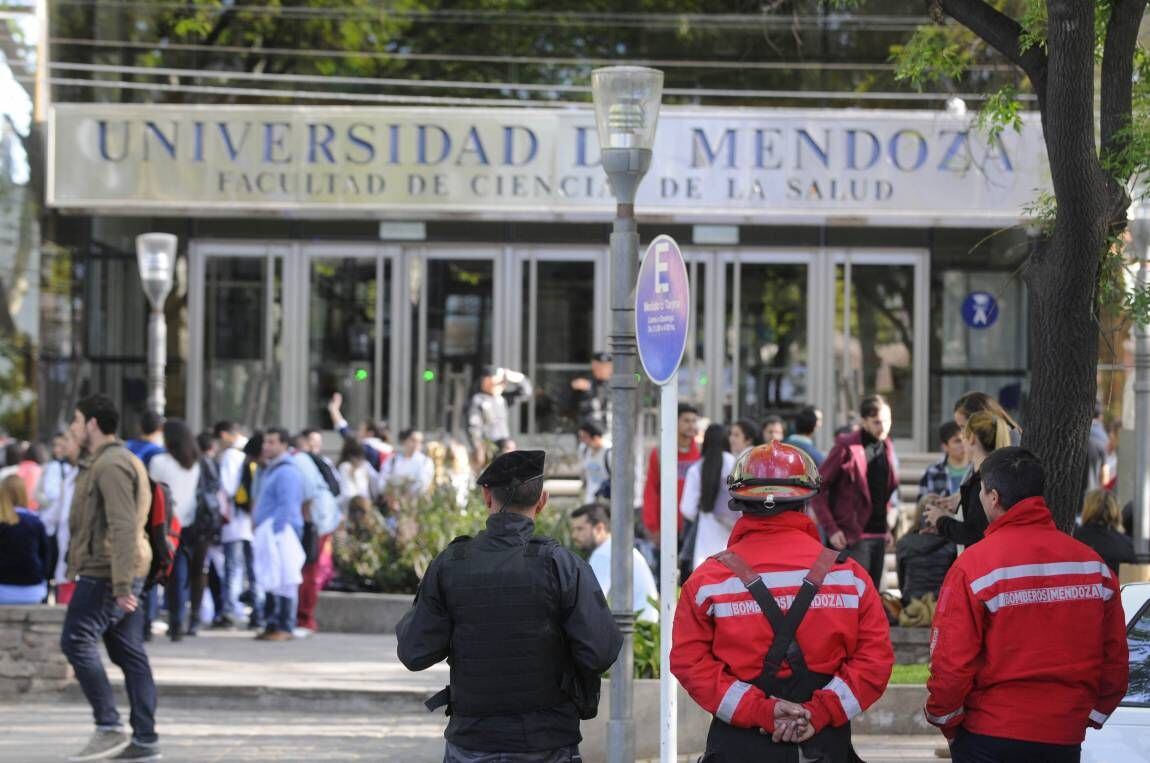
point(163, 47)
point(745, 94)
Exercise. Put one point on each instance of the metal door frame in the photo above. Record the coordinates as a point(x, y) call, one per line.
point(382, 255)
point(919, 258)
point(199, 252)
point(414, 359)
point(524, 260)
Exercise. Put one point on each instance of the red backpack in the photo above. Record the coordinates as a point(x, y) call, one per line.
point(163, 533)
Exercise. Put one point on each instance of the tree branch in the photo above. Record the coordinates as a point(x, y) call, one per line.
point(1118, 73)
point(1003, 34)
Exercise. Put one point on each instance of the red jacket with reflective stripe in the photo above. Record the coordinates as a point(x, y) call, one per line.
point(1029, 640)
point(721, 637)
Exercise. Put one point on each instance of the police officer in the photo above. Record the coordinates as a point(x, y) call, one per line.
point(524, 623)
point(782, 640)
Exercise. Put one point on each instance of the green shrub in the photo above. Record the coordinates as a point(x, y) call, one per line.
point(391, 555)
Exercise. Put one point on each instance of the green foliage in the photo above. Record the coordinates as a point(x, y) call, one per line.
point(391, 555)
point(1043, 211)
point(1033, 22)
point(916, 674)
point(646, 643)
point(1002, 109)
point(933, 53)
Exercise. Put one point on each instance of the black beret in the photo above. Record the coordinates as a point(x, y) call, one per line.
point(518, 466)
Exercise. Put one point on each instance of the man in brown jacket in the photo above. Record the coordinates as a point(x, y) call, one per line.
point(109, 556)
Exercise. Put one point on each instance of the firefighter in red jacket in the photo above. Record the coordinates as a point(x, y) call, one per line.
point(782, 640)
point(1029, 646)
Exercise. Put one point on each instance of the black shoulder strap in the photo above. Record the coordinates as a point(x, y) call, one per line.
point(784, 646)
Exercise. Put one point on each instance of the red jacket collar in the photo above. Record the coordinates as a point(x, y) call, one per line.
point(788, 521)
point(1029, 511)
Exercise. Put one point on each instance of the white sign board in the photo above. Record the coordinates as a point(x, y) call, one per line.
point(709, 165)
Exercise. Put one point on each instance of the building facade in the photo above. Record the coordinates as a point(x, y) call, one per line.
point(388, 254)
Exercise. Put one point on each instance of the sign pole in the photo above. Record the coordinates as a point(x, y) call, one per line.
point(668, 561)
point(662, 299)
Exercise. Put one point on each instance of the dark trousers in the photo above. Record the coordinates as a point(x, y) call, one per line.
point(187, 577)
point(871, 554)
point(979, 748)
point(93, 615)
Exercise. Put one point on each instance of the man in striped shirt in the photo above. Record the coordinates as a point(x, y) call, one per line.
point(1029, 641)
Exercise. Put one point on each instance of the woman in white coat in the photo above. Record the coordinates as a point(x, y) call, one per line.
point(705, 495)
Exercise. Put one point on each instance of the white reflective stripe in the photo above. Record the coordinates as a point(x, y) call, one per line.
point(773, 580)
point(1098, 717)
point(751, 607)
point(847, 697)
point(1049, 595)
point(730, 585)
point(731, 701)
point(1038, 570)
point(942, 720)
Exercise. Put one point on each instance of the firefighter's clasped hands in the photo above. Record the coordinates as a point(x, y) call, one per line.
point(792, 723)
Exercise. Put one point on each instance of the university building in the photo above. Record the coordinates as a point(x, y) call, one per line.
point(389, 253)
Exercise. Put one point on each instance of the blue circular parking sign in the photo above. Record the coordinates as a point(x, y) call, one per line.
point(662, 309)
point(979, 310)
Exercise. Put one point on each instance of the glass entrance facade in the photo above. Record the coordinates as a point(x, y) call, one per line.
point(403, 331)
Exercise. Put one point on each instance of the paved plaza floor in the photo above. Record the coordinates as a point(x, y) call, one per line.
point(332, 697)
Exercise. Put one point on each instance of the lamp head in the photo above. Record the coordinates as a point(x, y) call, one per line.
point(627, 100)
point(155, 255)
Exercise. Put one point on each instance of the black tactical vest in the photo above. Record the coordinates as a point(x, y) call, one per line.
point(508, 654)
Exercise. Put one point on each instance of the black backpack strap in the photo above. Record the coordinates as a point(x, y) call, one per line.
point(783, 648)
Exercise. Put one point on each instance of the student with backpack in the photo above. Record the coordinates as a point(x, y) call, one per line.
point(179, 469)
point(110, 553)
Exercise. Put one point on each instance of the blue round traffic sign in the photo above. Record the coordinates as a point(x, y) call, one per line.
point(979, 310)
point(662, 309)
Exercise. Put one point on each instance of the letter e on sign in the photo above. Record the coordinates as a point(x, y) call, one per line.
point(662, 309)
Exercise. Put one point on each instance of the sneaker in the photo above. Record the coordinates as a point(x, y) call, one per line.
point(222, 623)
point(103, 745)
point(302, 632)
point(139, 752)
point(278, 636)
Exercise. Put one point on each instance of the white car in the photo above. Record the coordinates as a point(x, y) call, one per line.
point(1126, 736)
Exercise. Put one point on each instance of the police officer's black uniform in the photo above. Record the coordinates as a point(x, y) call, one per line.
point(526, 628)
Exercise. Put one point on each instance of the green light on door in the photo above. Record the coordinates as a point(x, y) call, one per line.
point(361, 374)
point(429, 375)
point(703, 380)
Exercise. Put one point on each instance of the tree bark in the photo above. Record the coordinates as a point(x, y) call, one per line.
point(1063, 273)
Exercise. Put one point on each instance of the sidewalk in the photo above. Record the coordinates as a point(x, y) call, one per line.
point(331, 697)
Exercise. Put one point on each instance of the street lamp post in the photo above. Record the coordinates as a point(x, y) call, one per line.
point(627, 100)
point(155, 253)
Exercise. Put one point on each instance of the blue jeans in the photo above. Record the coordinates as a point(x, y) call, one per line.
point(93, 615)
point(281, 612)
point(233, 583)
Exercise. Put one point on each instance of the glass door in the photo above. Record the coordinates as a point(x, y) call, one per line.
point(236, 304)
point(766, 347)
point(349, 330)
point(453, 315)
point(564, 304)
point(879, 339)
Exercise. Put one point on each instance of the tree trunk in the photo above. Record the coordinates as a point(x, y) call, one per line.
point(1062, 275)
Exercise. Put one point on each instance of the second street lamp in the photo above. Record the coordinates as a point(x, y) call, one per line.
point(155, 254)
point(627, 100)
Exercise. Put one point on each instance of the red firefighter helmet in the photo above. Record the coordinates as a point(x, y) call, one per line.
point(773, 474)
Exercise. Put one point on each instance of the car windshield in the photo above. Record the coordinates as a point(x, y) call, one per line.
point(1138, 637)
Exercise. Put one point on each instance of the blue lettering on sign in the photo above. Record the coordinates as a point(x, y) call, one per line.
point(979, 310)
